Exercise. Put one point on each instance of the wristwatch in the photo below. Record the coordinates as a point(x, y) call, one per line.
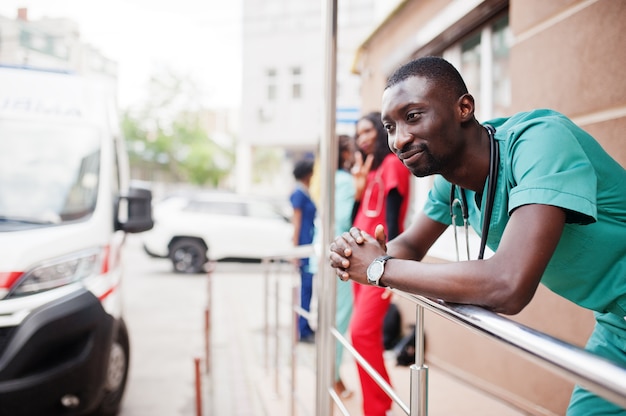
point(376, 269)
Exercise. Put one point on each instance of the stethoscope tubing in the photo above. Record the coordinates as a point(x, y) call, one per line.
point(494, 162)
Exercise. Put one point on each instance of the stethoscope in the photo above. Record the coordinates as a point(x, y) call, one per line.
point(494, 162)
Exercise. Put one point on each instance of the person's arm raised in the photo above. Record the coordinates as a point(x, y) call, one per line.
point(359, 172)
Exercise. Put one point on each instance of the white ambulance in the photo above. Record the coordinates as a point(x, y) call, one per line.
point(65, 208)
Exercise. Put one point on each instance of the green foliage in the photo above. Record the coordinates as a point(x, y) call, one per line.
point(167, 140)
point(267, 162)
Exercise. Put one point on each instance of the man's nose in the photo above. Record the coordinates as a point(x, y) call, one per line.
point(401, 137)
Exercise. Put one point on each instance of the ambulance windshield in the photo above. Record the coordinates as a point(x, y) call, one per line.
point(49, 173)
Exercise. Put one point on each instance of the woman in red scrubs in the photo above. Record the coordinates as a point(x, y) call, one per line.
point(384, 201)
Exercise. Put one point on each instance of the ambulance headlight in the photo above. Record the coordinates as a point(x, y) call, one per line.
point(59, 272)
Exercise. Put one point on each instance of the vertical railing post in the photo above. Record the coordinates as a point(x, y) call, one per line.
point(419, 370)
point(207, 324)
point(295, 291)
point(207, 340)
point(266, 324)
point(198, 384)
point(276, 336)
point(328, 163)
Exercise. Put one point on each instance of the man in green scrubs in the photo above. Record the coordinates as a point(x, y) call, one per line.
point(558, 210)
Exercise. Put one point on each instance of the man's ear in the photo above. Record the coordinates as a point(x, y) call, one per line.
point(466, 107)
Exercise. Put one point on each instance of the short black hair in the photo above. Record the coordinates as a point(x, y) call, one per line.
point(303, 168)
point(435, 69)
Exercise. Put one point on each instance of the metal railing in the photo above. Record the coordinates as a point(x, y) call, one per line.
point(275, 263)
point(592, 372)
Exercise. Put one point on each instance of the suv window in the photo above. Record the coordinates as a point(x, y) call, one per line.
point(260, 209)
point(216, 207)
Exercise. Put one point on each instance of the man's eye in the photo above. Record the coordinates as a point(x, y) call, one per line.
point(388, 127)
point(412, 115)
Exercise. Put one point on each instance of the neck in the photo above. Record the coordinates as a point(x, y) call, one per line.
point(474, 163)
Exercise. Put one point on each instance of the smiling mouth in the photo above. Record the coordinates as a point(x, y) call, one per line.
point(411, 157)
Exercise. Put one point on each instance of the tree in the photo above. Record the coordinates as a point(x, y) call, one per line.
point(166, 138)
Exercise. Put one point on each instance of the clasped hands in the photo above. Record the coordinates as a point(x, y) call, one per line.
point(353, 251)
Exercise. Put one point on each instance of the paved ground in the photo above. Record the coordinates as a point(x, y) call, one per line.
point(164, 314)
point(166, 317)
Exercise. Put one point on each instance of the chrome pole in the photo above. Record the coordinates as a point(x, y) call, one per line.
point(295, 291)
point(276, 335)
point(266, 312)
point(419, 370)
point(325, 347)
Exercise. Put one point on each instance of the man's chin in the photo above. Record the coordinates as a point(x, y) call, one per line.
point(420, 173)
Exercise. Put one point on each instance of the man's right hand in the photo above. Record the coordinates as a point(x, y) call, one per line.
point(343, 247)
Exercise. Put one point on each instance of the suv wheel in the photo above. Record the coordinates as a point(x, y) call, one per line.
point(188, 256)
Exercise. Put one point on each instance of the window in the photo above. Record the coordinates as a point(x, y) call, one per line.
point(216, 207)
point(501, 43)
point(470, 65)
point(296, 82)
point(44, 43)
point(271, 80)
point(262, 210)
point(483, 59)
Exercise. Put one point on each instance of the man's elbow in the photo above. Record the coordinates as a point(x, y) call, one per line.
point(510, 307)
point(511, 298)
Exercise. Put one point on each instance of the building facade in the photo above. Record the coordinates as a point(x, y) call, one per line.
point(51, 43)
point(283, 80)
point(515, 55)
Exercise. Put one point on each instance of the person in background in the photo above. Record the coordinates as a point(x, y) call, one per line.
point(557, 202)
point(385, 200)
point(304, 211)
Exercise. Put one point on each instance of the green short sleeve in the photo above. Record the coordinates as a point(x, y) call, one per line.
point(542, 173)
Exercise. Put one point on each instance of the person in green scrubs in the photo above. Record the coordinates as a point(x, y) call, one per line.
point(558, 210)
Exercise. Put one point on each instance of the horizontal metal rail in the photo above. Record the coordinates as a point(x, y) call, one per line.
point(371, 371)
point(592, 372)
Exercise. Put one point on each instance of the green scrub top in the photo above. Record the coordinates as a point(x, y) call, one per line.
point(546, 159)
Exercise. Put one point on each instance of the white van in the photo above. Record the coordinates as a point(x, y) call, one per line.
point(65, 208)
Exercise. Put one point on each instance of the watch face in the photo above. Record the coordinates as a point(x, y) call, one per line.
point(375, 270)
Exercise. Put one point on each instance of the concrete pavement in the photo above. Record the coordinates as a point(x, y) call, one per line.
point(165, 313)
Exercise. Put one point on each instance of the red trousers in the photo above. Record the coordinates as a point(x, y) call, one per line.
point(366, 329)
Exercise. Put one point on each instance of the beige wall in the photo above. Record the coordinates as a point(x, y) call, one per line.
point(574, 64)
point(567, 55)
point(399, 28)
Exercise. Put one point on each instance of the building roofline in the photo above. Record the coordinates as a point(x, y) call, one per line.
point(361, 48)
